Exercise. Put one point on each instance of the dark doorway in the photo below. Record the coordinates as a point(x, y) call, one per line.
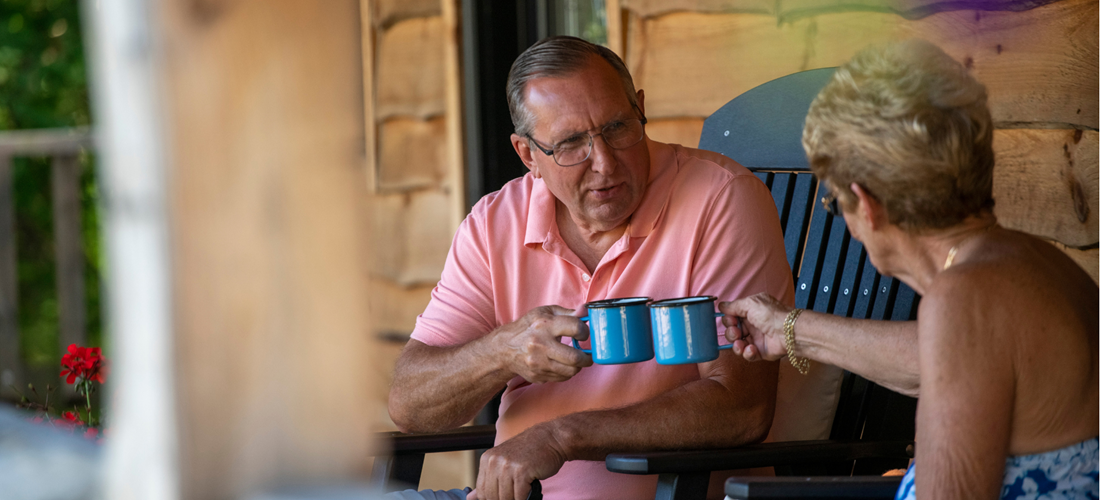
point(494, 34)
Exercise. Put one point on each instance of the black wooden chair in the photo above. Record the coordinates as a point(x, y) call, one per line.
point(872, 428)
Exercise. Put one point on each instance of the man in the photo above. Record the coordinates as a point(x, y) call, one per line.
point(604, 212)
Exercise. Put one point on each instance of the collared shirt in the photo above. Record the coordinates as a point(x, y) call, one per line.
point(705, 226)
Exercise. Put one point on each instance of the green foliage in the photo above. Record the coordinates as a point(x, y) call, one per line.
point(43, 84)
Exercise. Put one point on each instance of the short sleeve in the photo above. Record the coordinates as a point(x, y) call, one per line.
point(461, 307)
point(742, 251)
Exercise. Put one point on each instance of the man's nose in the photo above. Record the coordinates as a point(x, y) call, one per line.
point(602, 157)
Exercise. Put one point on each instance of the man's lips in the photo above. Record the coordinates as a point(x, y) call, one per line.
point(606, 191)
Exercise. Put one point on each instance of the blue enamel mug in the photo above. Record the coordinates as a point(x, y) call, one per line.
point(620, 331)
point(684, 330)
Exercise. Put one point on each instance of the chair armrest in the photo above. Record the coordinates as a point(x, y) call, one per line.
point(403, 465)
point(754, 455)
point(770, 488)
point(474, 437)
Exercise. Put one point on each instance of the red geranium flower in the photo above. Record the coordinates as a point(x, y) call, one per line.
point(91, 434)
point(68, 421)
point(83, 362)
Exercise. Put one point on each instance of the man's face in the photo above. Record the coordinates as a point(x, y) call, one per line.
point(603, 191)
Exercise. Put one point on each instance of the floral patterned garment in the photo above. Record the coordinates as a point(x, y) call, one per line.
point(1068, 473)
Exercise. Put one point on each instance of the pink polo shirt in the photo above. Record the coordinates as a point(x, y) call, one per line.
point(705, 226)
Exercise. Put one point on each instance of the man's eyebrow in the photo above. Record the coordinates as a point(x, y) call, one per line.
point(566, 135)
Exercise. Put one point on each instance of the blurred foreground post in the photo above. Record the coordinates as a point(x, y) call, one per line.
point(231, 135)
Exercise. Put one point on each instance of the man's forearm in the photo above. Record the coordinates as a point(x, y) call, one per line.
point(440, 388)
point(884, 352)
point(706, 413)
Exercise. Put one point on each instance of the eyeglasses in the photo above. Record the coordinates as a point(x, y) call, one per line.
point(831, 205)
point(619, 134)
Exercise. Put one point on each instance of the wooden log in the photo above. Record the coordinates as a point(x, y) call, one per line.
point(69, 252)
point(1045, 183)
point(417, 231)
point(410, 69)
point(11, 364)
point(390, 12)
point(683, 131)
point(793, 9)
point(1089, 259)
point(396, 307)
point(1039, 65)
point(413, 154)
point(270, 246)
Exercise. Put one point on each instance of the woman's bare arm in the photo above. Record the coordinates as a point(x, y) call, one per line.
point(884, 352)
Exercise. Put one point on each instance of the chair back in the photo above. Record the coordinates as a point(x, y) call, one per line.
point(762, 130)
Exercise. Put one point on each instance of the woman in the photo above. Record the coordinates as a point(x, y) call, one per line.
point(1005, 342)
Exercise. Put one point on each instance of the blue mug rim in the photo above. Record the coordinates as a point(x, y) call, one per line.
point(626, 301)
point(683, 301)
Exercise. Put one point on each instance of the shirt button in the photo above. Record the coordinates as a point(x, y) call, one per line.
point(585, 277)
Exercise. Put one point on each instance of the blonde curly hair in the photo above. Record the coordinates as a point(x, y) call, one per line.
point(910, 125)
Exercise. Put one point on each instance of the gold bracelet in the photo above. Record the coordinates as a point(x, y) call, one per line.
point(801, 364)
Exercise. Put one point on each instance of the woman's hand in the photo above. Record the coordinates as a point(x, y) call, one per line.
point(755, 326)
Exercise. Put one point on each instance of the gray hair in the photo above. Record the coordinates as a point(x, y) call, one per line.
point(556, 56)
point(909, 124)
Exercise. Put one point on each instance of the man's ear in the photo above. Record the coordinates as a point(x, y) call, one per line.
point(870, 209)
point(523, 149)
point(641, 101)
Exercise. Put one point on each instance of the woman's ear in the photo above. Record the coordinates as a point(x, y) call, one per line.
point(869, 209)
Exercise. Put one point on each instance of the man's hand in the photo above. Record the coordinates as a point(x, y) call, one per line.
point(507, 470)
point(532, 346)
point(755, 326)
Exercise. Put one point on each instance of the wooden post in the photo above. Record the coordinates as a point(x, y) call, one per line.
point(11, 369)
point(232, 145)
point(69, 251)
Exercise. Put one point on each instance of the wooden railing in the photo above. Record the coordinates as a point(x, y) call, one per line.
point(63, 147)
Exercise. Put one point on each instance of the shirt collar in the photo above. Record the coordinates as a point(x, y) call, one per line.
point(662, 169)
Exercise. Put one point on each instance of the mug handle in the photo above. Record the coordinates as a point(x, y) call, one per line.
point(726, 346)
point(578, 346)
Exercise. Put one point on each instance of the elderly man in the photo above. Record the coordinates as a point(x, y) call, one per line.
point(603, 212)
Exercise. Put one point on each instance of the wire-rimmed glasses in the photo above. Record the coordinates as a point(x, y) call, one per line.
point(574, 150)
point(831, 206)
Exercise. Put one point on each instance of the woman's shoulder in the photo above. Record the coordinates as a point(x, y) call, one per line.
point(1010, 279)
point(1008, 264)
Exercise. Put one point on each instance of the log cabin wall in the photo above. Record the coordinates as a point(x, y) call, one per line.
point(1038, 59)
point(415, 173)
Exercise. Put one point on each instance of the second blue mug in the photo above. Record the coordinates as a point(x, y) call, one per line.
point(684, 330)
point(620, 331)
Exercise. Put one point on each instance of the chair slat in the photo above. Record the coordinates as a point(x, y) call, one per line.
point(797, 215)
point(847, 288)
point(868, 284)
point(905, 304)
point(884, 297)
point(765, 177)
point(780, 185)
point(809, 272)
point(835, 251)
point(783, 192)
